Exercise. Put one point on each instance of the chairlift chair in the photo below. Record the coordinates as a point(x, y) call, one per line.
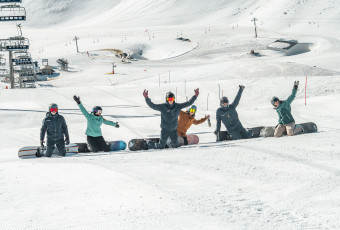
point(10, 1)
point(12, 13)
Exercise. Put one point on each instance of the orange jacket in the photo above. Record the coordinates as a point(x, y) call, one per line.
point(185, 120)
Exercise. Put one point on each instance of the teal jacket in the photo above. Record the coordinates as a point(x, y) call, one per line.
point(284, 109)
point(94, 122)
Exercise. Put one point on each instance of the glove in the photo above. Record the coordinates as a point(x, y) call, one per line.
point(296, 84)
point(42, 143)
point(242, 87)
point(207, 116)
point(146, 93)
point(117, 125)
point(197, 92)
point(215, 133)
point(77, 99)
point(67, 141)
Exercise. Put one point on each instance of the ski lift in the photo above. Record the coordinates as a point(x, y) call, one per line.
point(12, 13)
point(10, 1)
point(17, 43)
point(2, 61)
point(22, 58)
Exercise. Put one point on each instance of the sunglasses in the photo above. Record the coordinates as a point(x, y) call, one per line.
point(192, 110)
point(170, 99)
point(53, 110)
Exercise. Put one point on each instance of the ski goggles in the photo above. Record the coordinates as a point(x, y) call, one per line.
point(192, 110)
point(170, 99)
point(53, 110)
point(97, 111)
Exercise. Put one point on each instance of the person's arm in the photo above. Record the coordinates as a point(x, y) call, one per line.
point(238, 96)
point(294, 91)
point(106, 122)
point(65, 130)
point(43, 130)
point(218, 123)
point(188, 103)
point(200, 121)
point(152, 105)
point(83, 110)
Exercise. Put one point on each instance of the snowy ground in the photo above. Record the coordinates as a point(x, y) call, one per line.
point(264, 183)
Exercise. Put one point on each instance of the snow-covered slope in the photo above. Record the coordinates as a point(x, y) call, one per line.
point(264, 183)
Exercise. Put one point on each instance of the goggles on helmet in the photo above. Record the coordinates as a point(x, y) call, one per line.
point(53, 110)
point(192, 110)
point(170, 99)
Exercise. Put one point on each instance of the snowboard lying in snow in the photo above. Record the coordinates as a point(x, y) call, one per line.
point(145, 144)
point(71, 149)
point(262, 131)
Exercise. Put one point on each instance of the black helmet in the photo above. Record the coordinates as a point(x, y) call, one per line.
point(224, 100)
point(169, 95)
point(273, 100)
point(96, 108)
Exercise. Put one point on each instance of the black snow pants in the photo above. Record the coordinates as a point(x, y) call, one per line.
point(60, 146)
point(96, 144)
point(165, 134)
point(239, 133)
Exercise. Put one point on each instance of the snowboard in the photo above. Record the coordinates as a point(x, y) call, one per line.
point(308, 127)
point(225, 136)
point(71, 149)
point(38, 151)
point(149, 143)
point(114, 146)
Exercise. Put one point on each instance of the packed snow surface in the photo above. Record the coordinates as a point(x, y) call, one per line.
point(263, 183)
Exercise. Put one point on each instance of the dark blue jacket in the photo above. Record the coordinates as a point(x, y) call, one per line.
point(55, 126)
point(229, 116)
point(169, 113)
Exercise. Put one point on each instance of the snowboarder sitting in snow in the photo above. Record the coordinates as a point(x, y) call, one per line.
point(186, 119)
point(95, 139)
point(286, 120)
point(169, 116)
point(228, 115)
point(55, 126)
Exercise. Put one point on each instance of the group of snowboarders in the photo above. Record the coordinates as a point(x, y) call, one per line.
point(174, 122)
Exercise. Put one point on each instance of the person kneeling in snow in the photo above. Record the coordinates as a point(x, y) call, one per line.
point(286, 120)
point(169, 116)
point(55, 126)
point(95, 140)
point(228, 115)
point(185, 120)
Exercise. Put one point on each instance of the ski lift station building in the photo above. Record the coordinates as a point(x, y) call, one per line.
point(290, 47)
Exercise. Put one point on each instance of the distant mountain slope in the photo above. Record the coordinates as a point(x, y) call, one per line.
point(275, 14)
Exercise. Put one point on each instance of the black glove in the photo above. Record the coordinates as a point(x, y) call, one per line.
point(242, 87)
point(77, 99)
point(42, 143)
point(117, 125)
point(215, 132)
point(67, 141)
point(296, 84)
